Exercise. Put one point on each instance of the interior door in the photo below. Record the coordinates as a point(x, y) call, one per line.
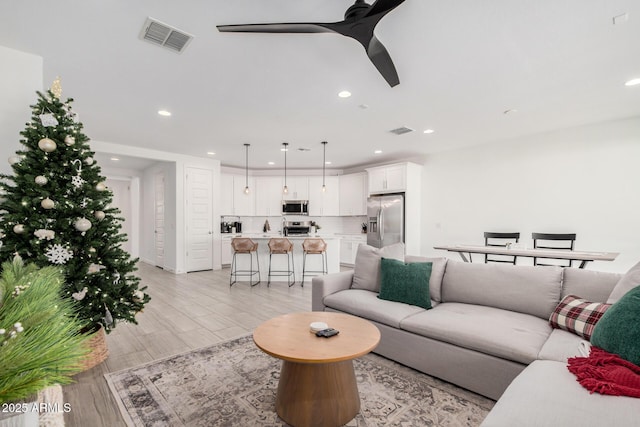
point(159, 219)
point(199, 205)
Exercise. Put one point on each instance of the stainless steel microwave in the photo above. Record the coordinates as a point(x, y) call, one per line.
point(295, 207)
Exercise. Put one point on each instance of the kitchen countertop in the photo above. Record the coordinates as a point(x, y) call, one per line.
point(260, 236)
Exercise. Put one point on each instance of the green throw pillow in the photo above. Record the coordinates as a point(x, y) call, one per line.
point(617, 331)
point(407, 283)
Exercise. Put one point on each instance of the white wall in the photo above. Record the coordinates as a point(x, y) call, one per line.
point(584, 180)
point(20, 78)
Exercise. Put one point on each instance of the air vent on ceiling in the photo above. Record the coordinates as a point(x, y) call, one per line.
point(401, 130)
point(165, 35)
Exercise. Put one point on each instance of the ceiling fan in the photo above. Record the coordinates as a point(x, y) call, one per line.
point(359, 22)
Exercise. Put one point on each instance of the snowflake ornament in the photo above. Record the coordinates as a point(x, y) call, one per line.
point(57, 254)
point(77, 181)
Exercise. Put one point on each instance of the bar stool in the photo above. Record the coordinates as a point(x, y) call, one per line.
point(282, 246)
point(243, 245)
point(314, 246)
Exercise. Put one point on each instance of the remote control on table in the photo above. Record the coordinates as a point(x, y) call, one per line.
point(326, 333)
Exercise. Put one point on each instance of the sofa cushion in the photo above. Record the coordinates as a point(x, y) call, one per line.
point(577, 315)
point(437, 272)
point(617, 331)
point(501, 333)
point(547, 394)
point(562, 345)
point(366, 304)
point(589, 284)
point(366, 270)
point(524, 289)
point(407, 283)
point(630, 280)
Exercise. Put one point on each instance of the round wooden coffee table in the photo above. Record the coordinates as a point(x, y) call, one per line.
point(317, 382)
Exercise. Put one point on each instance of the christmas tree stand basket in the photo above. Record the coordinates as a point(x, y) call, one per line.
point(98, 351)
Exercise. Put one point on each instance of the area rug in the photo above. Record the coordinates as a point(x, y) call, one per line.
point(234, 384)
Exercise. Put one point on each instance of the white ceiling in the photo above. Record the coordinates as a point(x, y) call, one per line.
point(461, 65)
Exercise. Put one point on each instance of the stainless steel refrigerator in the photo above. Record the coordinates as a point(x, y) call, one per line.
point(385, 220)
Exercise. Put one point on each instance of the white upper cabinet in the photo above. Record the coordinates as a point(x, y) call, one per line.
point(268, 196)
point(353, 194)
point(388, 179)
point(298, 188)
point(324, 203)
point(243, 203)
point(234, 199)
point(226, 190)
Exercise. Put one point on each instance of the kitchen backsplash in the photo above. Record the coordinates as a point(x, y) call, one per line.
point(329, 225)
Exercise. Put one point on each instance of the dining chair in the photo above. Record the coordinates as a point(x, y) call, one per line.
point(500, 240)
point(562, 241)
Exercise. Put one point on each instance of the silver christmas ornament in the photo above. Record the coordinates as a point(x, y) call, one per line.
point(41, 180)
point(82, 224)
point(18, 228)
point(47, 145)
point(100, 186)
point(99, 215)
point(69, 140)
point(47, 203)
point(14, 159)
point(89, 160)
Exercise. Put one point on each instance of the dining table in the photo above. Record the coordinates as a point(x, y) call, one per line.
point(584, 257)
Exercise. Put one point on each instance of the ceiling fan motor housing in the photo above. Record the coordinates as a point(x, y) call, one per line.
point(359, 8)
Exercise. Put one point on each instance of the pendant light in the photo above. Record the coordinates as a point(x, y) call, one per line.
point(285, 189)
point(246, 168)
point(324, 163)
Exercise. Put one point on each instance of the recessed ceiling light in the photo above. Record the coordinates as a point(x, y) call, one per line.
point(344, 94)
point(633, 82)
point(211, 153)
point(327, 163)
point(115, 159)
point(377, 152)
point(271, 163)
point(164, 113)
point(429, 131)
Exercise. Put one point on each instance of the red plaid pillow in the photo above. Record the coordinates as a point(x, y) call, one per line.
point(577, 315)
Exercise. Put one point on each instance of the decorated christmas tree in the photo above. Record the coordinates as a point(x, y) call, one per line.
point(55, 210)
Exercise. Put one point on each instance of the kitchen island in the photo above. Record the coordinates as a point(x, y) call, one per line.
point(314, 262)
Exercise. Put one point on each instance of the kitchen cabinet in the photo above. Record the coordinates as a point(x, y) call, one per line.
point(349, 247)
point(234, 200)
point(268, 196)
point(226, 252)
point(388, 179)
point(353, 194)
point(298, 188)
point(226, 191)
point(324, 203)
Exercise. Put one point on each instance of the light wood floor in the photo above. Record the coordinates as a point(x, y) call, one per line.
point(187, 311)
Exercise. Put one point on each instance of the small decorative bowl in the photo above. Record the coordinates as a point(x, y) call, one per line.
point(317, 326)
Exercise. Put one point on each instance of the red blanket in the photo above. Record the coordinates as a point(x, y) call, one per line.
point(606, 373)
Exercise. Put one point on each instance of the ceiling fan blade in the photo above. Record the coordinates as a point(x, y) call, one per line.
point(382, 60)
point(383, 6)
point(301, 27)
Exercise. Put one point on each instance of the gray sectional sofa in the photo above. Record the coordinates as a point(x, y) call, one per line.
point(488, 331)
